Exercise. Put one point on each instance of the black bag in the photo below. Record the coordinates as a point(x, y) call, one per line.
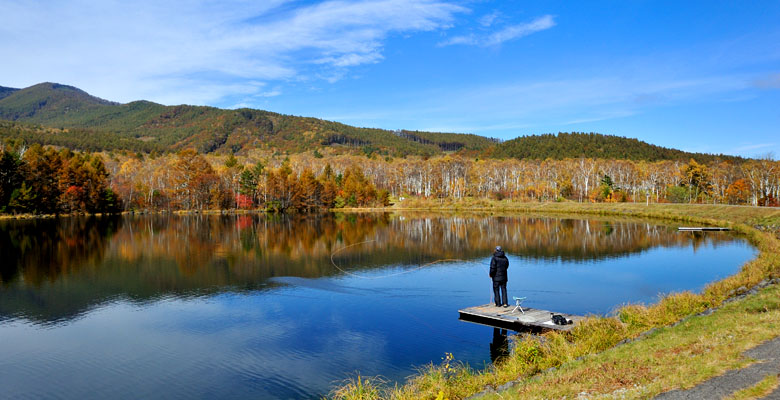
point(558, 319)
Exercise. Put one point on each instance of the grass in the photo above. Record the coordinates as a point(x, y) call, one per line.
point(671, 357)
point(757, 391)
point(360, 388)
point(587, 360)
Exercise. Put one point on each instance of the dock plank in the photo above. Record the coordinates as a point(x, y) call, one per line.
point(532, 317)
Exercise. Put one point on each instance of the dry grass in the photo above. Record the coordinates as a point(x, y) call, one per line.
point(360, 388)
point(673, 357)
point(757, 391)
point(670, 358)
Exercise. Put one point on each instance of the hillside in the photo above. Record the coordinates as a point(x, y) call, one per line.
point(5, 91)
point(97, 124)
point(594, 145)
point(50, 113)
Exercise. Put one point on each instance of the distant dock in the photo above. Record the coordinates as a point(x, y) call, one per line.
point(702, 228)
point(491, 315)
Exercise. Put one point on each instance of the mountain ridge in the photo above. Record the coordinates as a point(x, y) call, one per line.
point(79, 120)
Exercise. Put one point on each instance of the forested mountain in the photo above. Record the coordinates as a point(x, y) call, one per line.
point(49, 103)
point(91, 123)
point(50, 113)
point(593, 145)
point(5, 91)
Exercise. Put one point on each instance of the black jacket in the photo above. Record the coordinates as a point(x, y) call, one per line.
point(498, 266)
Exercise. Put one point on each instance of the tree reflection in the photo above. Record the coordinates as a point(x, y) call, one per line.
point(57, 268)
point(43, 250)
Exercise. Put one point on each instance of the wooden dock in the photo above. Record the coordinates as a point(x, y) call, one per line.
point(491, 315)
point(702, 228)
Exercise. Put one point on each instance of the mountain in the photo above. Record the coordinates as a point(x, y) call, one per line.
point(5, 91)
point(594, 145)
point(97, 124)
point(50, 113)
point(48, 103)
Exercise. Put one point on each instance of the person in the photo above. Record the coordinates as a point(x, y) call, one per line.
point(498, 266)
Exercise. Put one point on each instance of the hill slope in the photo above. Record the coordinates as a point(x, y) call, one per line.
point(593, 145)
point(50, 113)
point(145, 126)
point(5, 91)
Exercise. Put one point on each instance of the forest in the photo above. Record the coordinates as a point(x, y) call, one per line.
point(39, 179)
point(594, 145)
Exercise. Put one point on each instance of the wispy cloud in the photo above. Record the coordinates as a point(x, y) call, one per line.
point(750, 147)
point(200, 51)
point(488, 19)
point(768, 82)
point(503, 35)
point(352, 59)
point(507, 109)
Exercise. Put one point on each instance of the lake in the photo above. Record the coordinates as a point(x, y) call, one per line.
point(256, 306)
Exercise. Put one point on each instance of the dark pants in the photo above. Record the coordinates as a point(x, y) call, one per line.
point(498, 296)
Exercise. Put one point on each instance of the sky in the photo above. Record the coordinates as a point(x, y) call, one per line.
point(695, 75)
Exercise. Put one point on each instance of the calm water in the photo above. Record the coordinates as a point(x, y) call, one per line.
point(253, 306)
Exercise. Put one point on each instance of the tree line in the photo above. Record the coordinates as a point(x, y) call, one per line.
point(45, 180)
point(302, 180)
point(192, 181)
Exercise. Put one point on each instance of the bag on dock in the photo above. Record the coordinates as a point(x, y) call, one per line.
point(558, 319)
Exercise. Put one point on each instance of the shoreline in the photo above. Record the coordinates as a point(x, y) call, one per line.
point(598, 337)
point(632, 326)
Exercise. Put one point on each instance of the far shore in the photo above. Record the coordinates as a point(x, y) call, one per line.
point(677, 210)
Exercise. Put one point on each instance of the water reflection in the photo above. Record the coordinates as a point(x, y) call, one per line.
point(57, 269)
point(251, 306)
point(499, 347)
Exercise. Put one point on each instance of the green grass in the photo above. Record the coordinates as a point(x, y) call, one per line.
point(586, 359)
point(757, 391)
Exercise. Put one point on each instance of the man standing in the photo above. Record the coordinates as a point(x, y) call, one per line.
point(498, 266)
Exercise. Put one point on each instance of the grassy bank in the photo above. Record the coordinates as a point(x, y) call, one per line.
point(587, 359)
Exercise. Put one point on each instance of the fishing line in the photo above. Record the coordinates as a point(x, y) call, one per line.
point(443, 260)
point(425, 323)
point(332, 261)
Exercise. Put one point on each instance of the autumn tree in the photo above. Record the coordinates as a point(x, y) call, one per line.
point(284, 192)
point(696, 177)
point(738, 192)
point(194, 179)
point(250, 180)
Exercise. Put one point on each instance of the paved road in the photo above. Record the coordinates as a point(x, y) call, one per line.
point(768, 355)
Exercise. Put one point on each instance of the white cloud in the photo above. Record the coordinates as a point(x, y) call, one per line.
point(199, 51)
point(503, 35)
point(352, 59)
point(488, 19)
point(270, 93)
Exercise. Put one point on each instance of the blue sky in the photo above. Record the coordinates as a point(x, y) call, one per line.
point(695, 75)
